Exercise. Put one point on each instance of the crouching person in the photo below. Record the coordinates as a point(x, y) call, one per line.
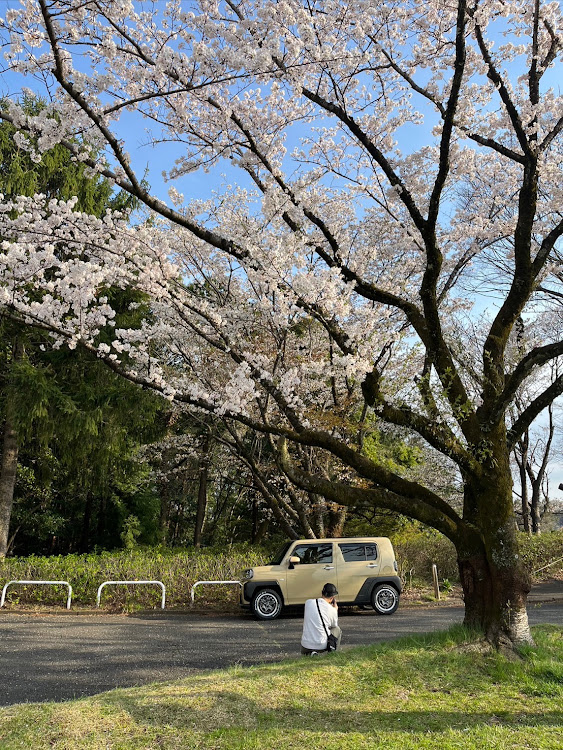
point(321, 621)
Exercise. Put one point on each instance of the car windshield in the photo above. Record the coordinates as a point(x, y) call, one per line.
point(280, 554)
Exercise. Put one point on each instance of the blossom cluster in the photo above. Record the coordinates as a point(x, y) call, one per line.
point(385, 165)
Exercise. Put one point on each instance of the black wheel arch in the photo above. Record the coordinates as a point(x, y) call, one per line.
point(251, 588)
point(364, 594)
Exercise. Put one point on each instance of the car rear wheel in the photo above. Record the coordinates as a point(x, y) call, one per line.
point(267, 604)
point(385, 599)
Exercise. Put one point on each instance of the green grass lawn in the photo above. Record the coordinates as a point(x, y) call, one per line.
point(440, 691)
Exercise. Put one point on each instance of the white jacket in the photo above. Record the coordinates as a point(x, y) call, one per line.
point(314, 636)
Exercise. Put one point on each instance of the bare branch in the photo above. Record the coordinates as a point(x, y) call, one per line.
point(532, 411)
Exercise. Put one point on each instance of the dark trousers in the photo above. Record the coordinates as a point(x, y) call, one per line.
point(336, 631)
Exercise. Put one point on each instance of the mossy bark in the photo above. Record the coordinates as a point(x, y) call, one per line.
point(494, 581)
point(495, 594)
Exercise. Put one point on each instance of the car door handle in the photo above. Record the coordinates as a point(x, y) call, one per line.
point(328, 567)
point(373, 565)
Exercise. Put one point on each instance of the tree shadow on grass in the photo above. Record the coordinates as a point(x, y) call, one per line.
point(442, 695)
point(225, 710)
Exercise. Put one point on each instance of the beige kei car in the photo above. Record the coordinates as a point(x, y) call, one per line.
point(363, 569)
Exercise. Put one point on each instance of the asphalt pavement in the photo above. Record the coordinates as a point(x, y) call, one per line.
point(63, 656)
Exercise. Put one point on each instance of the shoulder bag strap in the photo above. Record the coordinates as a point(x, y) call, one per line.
point(322, 621)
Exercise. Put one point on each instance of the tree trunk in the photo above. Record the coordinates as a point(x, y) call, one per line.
point(494, 581)
point(539, 479)
point(495, 600)
point(535, 511)
point(521, 456)
point(86, 520)
point(8, 472)
point(318, 505)
point(254, 519)
point(101, 525)
point(525, 507)
point(202, 493)
point(164, 514)
point(9, 461)
point(262, 531)
point(336, 520)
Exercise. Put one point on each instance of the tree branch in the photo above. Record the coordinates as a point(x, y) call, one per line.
point(539, 356)
point(437, 434)
point(532, 411)
point(345, 494)
point(494, 76)
point(448, 125)
point(481, 140)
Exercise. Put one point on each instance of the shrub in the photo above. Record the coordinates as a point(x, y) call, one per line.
point(416, 549)
point(543, 555)
point(177, 569)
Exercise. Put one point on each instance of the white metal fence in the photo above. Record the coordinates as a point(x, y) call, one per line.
point(132, 583)
point(40, 583)
point(117, 583)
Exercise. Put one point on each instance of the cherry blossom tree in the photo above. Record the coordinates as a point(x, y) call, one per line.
point(391, 157)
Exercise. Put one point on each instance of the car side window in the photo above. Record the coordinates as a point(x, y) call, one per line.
point(353, 552)
point(358, 552)
point(313, 554)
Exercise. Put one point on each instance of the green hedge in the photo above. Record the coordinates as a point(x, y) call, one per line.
point(539, 551)
point(417, 549)
point(178, 571)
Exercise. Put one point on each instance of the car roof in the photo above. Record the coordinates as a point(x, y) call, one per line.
point(344, 539)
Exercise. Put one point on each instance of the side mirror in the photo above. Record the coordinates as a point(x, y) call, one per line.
point(293, 561)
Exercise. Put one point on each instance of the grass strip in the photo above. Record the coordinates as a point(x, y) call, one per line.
point(438, 691)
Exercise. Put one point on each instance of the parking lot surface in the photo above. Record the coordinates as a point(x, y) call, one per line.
point(64, 656)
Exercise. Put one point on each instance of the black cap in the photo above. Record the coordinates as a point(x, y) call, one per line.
point(329, 589)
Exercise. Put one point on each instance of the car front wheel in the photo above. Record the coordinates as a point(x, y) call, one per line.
point(267, 604)
point(385, 599)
